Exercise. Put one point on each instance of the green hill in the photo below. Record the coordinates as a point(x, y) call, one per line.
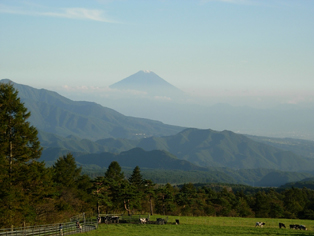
point(205, 148)
point(304, 183)
point(138, 157)
point(210, 148)
point(53, 113)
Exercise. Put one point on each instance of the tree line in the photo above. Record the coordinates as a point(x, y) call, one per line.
point(31, 193)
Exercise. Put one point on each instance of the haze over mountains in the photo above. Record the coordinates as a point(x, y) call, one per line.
point(145, 94)
point(96, 135)
point(56, 114)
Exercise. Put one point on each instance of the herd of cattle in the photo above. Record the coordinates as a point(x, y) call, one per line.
point(160, 221)
point(282, 225)
point(116, 219)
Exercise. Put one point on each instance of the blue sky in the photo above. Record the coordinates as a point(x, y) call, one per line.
point(223, 47)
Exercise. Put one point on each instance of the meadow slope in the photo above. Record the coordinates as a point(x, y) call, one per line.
point(205, 226)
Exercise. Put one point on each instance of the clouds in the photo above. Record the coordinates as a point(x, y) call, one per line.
point(101, 90)
point(70, 13)
point(95, 91)
point(78, 13)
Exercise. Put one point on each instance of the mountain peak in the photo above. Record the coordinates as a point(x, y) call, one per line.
point(6, 81)
point(147, 81)
point(146, 71)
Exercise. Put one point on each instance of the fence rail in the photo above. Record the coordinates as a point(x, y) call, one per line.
point(51, 230)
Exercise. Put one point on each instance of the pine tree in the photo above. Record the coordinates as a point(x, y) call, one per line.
point(19, 149)
point(149, 194)
point(165, 199)
point(113, 173)
point(114, 179)
point(67, 177)
point(66, 172)
point(136, 178)
point(100, 190)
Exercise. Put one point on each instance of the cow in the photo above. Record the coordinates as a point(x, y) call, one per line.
point(114, 219)
point(261, 224)
point(294, 226)
point(282, 225)
point(302, 227)
point(143, 220)
point(160, 221)
point(78, 226)
point(110, 219)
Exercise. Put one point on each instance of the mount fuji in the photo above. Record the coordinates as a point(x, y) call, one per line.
point(149, 83)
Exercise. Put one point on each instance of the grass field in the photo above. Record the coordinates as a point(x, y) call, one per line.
point(205, 226)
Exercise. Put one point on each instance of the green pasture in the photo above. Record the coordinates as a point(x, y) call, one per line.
point(205, 226)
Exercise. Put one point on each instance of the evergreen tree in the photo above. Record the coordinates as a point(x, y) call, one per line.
point(19, 150)
point(165, 199)
point(134, 191)
point(186, 198)
point(100, 190)
point(117, 183)
point(149, 194)
point(294, 202)
point(262, 205)
point(136, 179)
point(67, 177)
point(113, 173)
point(66, 172)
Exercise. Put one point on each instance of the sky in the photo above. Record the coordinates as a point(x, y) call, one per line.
point(222, 48)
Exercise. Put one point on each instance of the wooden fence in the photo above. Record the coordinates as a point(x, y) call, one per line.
point(52, 229)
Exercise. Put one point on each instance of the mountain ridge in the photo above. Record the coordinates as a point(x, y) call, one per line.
point(53, 113)
point(205, 148)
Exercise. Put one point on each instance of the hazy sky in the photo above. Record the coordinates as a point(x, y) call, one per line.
point(236, 46)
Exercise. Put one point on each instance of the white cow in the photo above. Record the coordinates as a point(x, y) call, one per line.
point(143, 220)
point(260, 224)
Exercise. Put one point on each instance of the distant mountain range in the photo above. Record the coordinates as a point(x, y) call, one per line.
point(162, 101)
point(162, 167)
point(53, 113)
point(204, 148)
point(97, 135)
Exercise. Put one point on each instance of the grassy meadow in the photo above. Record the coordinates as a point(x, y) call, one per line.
point(205, 226)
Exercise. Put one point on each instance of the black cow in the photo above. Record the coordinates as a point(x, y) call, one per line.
point(160, 221)
point(294, 226)
point(282, 225)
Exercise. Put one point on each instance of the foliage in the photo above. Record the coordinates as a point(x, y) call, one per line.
point(32, 193)
point(307, 183)
point(66, 172)
point(23, 180)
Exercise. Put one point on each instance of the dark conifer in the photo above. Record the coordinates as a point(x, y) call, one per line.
point(19, 150)
point(136, 178)
point(114, 173)
point(66, 172)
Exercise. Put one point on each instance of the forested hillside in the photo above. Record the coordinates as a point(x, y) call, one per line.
point(204, 148)
point(56, 114)
point(31, 193)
